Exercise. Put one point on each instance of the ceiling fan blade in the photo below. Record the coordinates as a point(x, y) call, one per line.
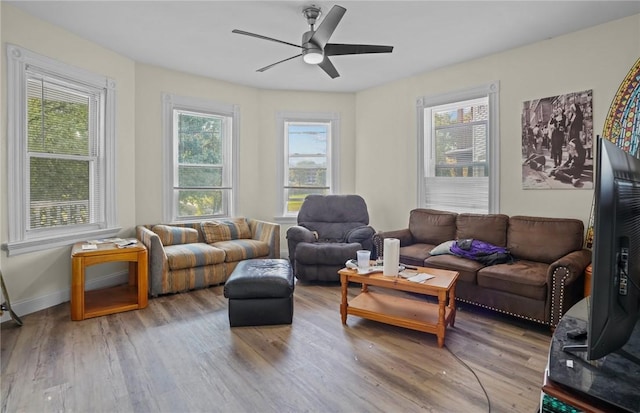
point(259, 36)
point(327, 26)
point(336, 49)
point(328, 67)
point(262, 69)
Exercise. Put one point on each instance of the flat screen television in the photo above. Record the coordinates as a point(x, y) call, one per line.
point(615, 293)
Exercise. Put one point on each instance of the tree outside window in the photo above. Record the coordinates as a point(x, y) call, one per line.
point(200, 164)
point(58, 128)
point(200, 146)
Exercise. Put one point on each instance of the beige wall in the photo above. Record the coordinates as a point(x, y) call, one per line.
point(597, 58)
point(380, 123)
point(258, 141)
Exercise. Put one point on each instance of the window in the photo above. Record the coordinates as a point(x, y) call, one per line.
point(61, 153)
point(458, 143)
point(200, 147)
point(309, 158)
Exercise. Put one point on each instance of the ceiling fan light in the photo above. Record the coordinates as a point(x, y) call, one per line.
point(312, 57)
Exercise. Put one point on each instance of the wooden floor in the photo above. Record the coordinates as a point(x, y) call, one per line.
point(179, 355)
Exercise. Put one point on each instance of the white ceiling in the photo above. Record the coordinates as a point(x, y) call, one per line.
point(195, 36)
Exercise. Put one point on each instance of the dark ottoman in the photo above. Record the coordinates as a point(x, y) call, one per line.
point(260, 292)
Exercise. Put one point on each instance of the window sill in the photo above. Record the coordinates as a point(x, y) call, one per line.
point(40, 244)
point(286, 220)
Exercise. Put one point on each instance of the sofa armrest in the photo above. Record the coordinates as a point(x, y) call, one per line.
point(360, 234)
point(404, 235)
point(158, 263)
point(268, 232)
point(295, 235)
point(363, 235)
point(575, 262)
point(565, 278)
point(298, 233)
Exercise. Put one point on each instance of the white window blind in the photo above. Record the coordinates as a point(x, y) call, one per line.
point(457, 172)
point(65, 186)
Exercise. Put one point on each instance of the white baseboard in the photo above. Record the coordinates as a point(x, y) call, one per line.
point(32, 305)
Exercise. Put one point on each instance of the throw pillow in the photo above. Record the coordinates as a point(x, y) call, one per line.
point(170, 235)
point(444, 248)
point(225, 230)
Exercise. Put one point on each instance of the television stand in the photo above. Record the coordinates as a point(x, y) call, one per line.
point(606, 384)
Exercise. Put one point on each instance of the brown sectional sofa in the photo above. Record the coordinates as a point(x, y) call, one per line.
point(544, 281)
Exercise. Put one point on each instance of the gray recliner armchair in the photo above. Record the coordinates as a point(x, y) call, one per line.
point(331, 228)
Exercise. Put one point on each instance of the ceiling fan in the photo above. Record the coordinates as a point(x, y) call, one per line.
point(315, 46)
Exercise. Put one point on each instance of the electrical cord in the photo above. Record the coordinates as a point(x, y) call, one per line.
point(486, 395)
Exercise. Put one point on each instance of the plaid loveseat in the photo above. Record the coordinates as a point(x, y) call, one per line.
point(186, 256)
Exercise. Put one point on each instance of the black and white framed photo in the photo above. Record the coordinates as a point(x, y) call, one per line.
point(557, 142)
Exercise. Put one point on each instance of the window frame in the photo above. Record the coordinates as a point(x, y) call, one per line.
point(491, 91)
point(172, 102)
point(333, 154)
point(21, 239)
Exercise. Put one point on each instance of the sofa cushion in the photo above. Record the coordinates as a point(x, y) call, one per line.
point(337, 253)
point(170, 235)
point(444, 248)
point(415, 254)
point(466, 268)
point(193, 255)
point(242, 249)
point(490, 228)
point(523, 278)
point(225, 230)
point(543, 239)
point(430, 226)
point(332, 217)
point(349, 208)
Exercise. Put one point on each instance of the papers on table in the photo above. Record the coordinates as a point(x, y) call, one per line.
point(119, 242)
point(420, 278)
point(126, 243)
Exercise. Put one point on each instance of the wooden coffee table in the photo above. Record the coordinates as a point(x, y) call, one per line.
point(400, 311)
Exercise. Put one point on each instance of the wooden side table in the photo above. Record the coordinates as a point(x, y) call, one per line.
point(587, 281)
point(95, 303)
